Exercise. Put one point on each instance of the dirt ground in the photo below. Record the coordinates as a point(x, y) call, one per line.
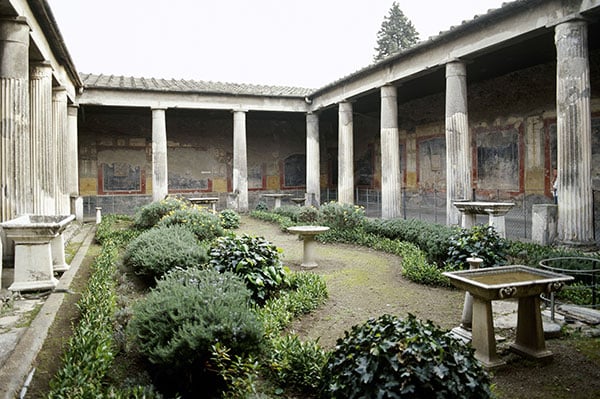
point(363, 283)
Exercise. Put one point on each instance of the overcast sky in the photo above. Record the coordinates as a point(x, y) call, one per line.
point(305, 43)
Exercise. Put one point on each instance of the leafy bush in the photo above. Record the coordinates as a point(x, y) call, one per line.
point(309, 215)
point(262, 207)
point(255, 259)
point(149, 215)
point(229, 219)
point(392, 358)
point(289, 211)
point(90, 350)
point(116, 228)
point(297, 364)
point(283, 221)
point(416, 268)
point(161, 249)
point(342, 216)
point(203, 223)
point(481, 241)
point(308, 291)
point(179, 321)
point(433, 239)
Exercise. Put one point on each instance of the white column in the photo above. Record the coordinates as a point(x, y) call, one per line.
point(42, 176)
point(15, 157)
point(458, 141)
point(59, 134)
point(391, 183)
point(345, 154)
point(574, 134)
point(73, 177)
point(313, 169)
point(160, 176)
point(240, 160)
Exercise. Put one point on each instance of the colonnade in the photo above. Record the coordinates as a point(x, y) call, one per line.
point(38, 147)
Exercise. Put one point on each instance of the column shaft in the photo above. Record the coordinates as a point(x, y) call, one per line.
point(575, 207)
point(42, 176)
point(391, 183)
point(160, 184)
point(15, 156)
point(313, 169)
point(59, 133)
point(458, 141)
point(240, 160)
point(73, 171)
point(345, 154)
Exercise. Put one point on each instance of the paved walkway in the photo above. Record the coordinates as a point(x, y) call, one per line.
point(25, 319)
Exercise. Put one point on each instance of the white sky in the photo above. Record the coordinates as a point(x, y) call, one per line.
point(305, 43)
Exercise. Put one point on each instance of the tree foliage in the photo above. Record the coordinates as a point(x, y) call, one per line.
point(396, 33)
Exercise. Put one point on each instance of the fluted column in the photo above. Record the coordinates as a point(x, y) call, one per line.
point(15, 174)
point(240, 160)
point(573, 119)
point(458, 141)
point(345, 154)
point(59, 134)
point(42, 176)
point(390, 155)
point(160, 175)
point(313, 169)
point(72, 144)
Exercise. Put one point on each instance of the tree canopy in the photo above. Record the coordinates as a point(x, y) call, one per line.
point(396, 33)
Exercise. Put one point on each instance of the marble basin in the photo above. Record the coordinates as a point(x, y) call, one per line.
point(39, 250)
point(484, 207)
point(505, 282)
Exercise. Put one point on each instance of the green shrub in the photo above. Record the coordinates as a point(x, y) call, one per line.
point(239, 373)
point(255, 259)
point(289, 211)
point(342, 216)
point(283, 221)
point(481, 241)
point(297, 364)
point(416, 268)
point(392, 358)
point(203, 223)
point(230, 219)
point(161, 249)
point(433, 239)
point(308, 291)
point(90, 351)
point(308, 215)
point(176, 325)
point(116, 228)
point(149, 215)
point(262, 207)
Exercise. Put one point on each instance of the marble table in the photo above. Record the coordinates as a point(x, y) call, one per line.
point(277, 197)
point(205, 200)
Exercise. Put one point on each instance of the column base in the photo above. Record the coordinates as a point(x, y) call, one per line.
point(40, 285)
point(527, 352)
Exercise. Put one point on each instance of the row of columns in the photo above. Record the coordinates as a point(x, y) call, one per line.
point(38, 148)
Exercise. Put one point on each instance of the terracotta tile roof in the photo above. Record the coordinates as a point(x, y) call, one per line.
point(189, 86)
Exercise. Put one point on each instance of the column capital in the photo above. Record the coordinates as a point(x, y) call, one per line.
point(40, 70)
point(389, 91)
point(575, 18)
point(456, 67)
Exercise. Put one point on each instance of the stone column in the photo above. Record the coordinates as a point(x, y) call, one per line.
point(313, 169)
point(345, 154)
point(391, 183)
point(42, 178)
point(15, 175)
point(160, 174)
point(458, 141)
point(76, 203)
point(573, 119)
point(240, 161)
point(59, 134)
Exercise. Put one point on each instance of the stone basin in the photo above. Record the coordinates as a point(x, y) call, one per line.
point(484, 207)
point(39, 250)
point(504, 282)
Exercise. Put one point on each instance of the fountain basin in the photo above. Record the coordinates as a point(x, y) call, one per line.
point(39, 250)
point(504, 282)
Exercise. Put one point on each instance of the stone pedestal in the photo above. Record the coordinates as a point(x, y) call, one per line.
point(345, 154)
point(307, 234)
point(543, 223)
